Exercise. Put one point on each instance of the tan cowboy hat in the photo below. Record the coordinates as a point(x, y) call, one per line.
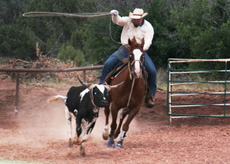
point(137, 14)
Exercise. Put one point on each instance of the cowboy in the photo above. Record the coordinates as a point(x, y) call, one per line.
point(134, 25)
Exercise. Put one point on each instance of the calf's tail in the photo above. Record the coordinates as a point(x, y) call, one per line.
point(54, 98)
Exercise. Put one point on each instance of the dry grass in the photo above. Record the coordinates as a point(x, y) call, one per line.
point(53, 79)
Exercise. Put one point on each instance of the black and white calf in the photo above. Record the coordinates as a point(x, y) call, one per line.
point(81, 108)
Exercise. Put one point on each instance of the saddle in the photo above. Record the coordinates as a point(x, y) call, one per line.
point(115, 72)
point(112, 75)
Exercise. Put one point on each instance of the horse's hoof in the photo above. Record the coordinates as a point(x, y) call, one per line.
point(82, 151)
point(105, 137)
point(110, 143)
point(83, 154)
point(119, 144)
point(105, 134)
point(70, 143)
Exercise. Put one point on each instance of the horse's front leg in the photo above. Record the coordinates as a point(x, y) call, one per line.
point(125, 128)
point(105, 133)
point(122, 117)
point(114, 111)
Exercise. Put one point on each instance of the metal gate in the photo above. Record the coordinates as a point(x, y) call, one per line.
point(183, 102)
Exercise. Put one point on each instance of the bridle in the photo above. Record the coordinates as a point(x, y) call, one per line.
point(133, 78)
point(131, 72)
point(141, 63)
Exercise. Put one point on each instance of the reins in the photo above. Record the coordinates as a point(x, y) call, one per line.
point(126, 109)
point(137, 61)
point(131, 91)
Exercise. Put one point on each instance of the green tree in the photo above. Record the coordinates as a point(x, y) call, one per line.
point(183, 29)
point(69, 53)
point(202, 30)
point(97, 43)
point(15, 40)
point(165, 42)
point(52, 32)
point(199, 25)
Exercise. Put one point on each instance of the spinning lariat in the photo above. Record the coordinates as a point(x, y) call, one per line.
point(57, 14)
point(79, 15)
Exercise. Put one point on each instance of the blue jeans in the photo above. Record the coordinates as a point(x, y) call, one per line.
point(115, 60)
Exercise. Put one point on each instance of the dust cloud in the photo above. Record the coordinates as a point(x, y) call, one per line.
point(99, 127)
point(47, 120)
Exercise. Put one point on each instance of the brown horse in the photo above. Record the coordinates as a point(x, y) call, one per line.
point(128, 96)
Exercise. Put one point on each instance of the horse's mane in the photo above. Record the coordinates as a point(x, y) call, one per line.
point(133, 44)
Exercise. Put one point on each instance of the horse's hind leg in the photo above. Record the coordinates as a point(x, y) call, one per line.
point(105, 133)
point(125, 128)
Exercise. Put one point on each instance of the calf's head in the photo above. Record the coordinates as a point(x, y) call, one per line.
point(99, 95)
point(99, 92)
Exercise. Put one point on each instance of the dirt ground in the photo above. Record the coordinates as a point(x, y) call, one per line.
point(39, 135)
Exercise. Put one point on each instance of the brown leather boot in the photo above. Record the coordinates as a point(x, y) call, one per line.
point(149, 100)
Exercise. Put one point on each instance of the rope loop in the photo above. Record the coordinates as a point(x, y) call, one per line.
point(55, 14)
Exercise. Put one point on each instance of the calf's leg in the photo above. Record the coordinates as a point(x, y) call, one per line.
point(86, 131)
point(78, 130)
point(69, 126)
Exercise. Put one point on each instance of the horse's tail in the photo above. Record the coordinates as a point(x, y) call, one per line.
point(54, 98)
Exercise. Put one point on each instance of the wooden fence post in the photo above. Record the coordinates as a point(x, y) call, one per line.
point(84, 75)
point(17, 94)
point(18, 70)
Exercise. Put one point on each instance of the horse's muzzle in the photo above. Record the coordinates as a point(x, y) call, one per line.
point(137, 74)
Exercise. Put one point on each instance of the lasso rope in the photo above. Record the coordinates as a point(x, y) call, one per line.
point(110, 33)
point(55, 14)
point(80, 15)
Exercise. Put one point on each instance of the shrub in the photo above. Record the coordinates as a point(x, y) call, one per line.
point(69, 53)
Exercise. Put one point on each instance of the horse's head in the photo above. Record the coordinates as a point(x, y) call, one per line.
point(136, 58)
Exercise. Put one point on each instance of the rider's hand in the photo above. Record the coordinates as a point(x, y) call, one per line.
point(114, 12)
